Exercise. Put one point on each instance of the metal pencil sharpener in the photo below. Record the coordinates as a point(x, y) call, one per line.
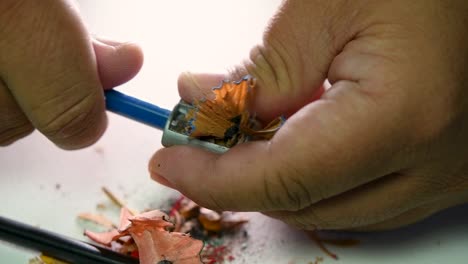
point(175, 131)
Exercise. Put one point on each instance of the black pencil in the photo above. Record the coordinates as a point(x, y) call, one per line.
point(58, 246)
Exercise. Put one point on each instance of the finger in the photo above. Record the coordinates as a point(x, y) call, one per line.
point(409, 217)
point(117, 62)
point(374, 202)
point(291, 63)
point(199, 86)
point(13, 123)
point(392, 201)
point(417, 214)
point(48, 63)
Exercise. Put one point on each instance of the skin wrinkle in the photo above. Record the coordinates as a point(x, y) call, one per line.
point(288, 51)
point(380, 57)
point(452, 181)
point(9, 12)
point(77, 132)
point(291, 199)
point(213, 170)
point(337, 30)
point(303, 190)
point(299, 191)
point(12, 120)
point(267, 200)
point(10, 130)
point(317, 191)
point(311, 196)
point(233, 182)
point(55, 125)
point(295, 192)
point(283, 76)
point(278, 178)
point(382, 31)
point(215, 202)
point(56, 99)
point(82, 128)
point(409, 217)
point(18, 132)
point(357, 219)
point(15, 124)
point(420, 197)
point(263, 68)
point(335, 223)
point(301, 62)
point(33, 44)
point(269, 192)
point(462, 176)
point(46, 41)
point(307, 221)
point(435, 185)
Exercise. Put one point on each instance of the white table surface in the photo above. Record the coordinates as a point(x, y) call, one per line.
point(45, 186)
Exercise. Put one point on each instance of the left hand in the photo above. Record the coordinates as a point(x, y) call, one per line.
point(384, 147)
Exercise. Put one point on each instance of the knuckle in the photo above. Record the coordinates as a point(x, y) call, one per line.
point(215, 203)
point(13, 122)
point(13, 129)
point(273, 66)
point(312, 218)
point(347, 222)
point(284, 189)
point(425, 185)
point(306, 220)
point(64, 119)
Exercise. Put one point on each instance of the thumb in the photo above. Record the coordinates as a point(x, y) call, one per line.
point(117, 62)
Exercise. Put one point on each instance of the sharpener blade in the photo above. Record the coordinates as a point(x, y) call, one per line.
point(174, 129)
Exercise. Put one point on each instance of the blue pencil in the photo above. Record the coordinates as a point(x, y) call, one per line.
point(136, 109)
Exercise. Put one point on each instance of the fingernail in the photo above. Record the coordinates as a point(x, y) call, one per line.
point(117, 62)
point(109, 42)
point(200, 82)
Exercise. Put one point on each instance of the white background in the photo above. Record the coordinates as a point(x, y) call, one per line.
point(180, 35)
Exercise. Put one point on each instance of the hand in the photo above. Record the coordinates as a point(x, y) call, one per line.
point(52, 73)
point(385, 146)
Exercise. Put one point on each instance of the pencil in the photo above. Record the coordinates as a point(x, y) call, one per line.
point(136, 109)
point(58, 246)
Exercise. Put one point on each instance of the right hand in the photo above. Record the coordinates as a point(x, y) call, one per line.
point(52, 73)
